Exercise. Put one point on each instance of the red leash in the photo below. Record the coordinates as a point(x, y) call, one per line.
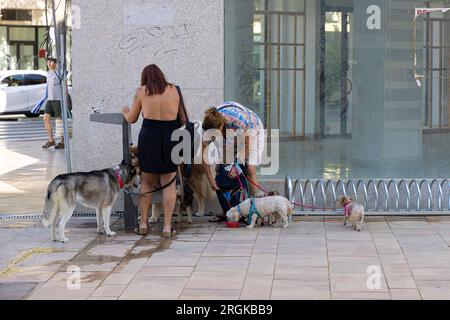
point(294, 203)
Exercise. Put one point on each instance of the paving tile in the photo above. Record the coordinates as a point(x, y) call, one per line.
point(431, 274)
point(434, 293)
point(165, 272)
point(235, 235)
point(307, 275)
point(360, 282)
point(361, 295)
point(109, 290)
point(217, 280)
point(60, 294)
point(257, 287)
point(297, 290)
point(222, 264)
point(15, 291)
point(154, 288)
point(401, 282)
point(102, 298)
point(208, 294)
point(172, 260)
point(119, 251)
point(227, 249)
point(396, 258)
point(302, 260)
point(405, 294)
point(349, 264)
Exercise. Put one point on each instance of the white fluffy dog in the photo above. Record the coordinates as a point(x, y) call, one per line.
point(353, 212)
point(260, 208)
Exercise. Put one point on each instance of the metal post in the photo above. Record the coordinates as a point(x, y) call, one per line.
point(131, 213)
point(60, 52)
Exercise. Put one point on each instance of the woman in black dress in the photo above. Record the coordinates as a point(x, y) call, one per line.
point(158, 101)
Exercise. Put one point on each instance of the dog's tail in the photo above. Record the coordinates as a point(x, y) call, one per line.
point(51, 203)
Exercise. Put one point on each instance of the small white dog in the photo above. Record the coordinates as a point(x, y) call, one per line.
point(262, 207)
point(353, 212)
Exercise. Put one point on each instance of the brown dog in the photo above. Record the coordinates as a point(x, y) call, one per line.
point(197, 186)
point(353, 212)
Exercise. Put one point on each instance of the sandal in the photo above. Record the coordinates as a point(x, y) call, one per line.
point(170, 234)
point(49, 144)
point(141, 231)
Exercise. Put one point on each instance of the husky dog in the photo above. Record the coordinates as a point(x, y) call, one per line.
point(96, 189)
point(262, 207)
point(353, 212)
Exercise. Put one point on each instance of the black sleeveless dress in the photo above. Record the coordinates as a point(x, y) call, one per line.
point(155, 146)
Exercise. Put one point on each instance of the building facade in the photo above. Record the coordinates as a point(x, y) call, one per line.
point(356, 88)
point(23, 26)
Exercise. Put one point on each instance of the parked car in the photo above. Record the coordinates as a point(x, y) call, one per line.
point(21, 90)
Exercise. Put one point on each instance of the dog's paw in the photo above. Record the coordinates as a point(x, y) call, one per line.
point(111, 233)
point(190, 221)
point(153, 220)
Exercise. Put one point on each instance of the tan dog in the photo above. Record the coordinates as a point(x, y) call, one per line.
point(353, 212)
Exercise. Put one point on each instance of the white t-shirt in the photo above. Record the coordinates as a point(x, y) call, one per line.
point(54, 86)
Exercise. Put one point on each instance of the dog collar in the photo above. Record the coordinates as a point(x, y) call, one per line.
point(252, 210)
point(118, 173)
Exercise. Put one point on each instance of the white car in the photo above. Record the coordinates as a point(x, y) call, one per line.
point(21, 90)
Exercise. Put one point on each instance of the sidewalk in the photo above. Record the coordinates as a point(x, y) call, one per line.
point(25, 172)
point(315, 258)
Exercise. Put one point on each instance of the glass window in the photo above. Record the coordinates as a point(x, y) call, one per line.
point(22, 34)
point(42, 63)
point(34, 79)
point(353, 95)
point(16, 80)
point(3, 48)
point(16, 15)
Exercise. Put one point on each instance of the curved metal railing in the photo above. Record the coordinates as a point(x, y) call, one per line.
point(376, 195)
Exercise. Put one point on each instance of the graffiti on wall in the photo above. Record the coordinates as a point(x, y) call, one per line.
point(159, 40)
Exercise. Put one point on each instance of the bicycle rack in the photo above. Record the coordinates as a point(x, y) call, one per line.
point(394, 196)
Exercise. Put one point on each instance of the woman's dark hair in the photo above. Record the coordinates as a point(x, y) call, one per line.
point(154, 80)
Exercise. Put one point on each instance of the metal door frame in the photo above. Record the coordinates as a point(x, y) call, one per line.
point(18, 45)
point(268, 68)
point(344, 61)
point(429, 71)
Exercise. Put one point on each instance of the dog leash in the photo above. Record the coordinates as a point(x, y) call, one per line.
point(294, 203)
point(153, 191)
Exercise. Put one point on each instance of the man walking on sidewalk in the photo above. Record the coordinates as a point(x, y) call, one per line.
point(53, 106)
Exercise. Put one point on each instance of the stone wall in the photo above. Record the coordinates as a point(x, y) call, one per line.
point(117, 39)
